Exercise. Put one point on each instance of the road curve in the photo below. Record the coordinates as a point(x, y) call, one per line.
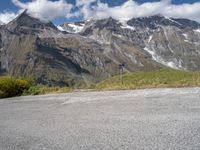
point(155, 119)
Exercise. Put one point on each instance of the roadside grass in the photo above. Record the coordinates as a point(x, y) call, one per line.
point(10, 86)
point(152, 79)
point(40, 90)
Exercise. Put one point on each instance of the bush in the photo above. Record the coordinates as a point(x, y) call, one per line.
point(10, 86)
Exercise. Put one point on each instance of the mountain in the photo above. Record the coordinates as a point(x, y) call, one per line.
point(92, 50)
point(171, 42)
point(31, 47)
point(26, 24)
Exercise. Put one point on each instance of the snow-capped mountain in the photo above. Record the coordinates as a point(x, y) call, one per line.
point(168, 41)
point(72, 27)
point(90, 51)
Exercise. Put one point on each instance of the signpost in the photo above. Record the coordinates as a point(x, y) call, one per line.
point(121, 69)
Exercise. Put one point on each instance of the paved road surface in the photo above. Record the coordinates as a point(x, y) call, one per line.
point(119, 120)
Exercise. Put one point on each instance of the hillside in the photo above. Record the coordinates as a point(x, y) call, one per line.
point(151, 79)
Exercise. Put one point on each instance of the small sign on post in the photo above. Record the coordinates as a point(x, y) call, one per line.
point(121, 69)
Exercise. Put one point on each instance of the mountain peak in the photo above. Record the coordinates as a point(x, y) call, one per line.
point(155, 21)
point(26, 22)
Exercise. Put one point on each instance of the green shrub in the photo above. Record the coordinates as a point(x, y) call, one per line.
point(32, 81)
point(10, 86)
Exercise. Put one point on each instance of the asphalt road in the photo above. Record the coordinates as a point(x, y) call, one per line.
point(157, 119)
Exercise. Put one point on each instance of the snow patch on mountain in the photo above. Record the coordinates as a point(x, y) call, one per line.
point(60, 28)
point(124, 25)
point(118, 35)
point(188, 41)
point(172, 20)
point(186, 38)
point(185, 35)
point(150, 38)
point(76, 28)
point(198, 30)
point(72, 27)
point(160, 60)
point(153, 54)
point(172, 65)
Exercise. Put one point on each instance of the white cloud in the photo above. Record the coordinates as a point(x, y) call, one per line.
point(46, 9)
point(85, 8)
point(6, 17)
point(84, 2)
point(131, 9)
point(49, 10)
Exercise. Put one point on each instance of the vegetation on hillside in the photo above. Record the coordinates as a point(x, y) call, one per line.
point(39, 90)
point(151, 79)
point(10, 86)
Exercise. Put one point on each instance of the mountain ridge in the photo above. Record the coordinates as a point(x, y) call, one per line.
point(91, 51)
point(25, 22)
point(159, 19)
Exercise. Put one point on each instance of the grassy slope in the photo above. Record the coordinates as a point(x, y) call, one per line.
point(152, 79)
point(137, 80)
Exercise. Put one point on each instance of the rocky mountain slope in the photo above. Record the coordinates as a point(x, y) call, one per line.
point(90, 51)
point(170, 42)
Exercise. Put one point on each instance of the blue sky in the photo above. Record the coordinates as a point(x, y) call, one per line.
point(9, 6)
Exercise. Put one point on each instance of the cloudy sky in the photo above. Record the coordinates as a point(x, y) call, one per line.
point(60, 11)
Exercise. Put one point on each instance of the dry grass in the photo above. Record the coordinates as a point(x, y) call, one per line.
point(40, 90)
